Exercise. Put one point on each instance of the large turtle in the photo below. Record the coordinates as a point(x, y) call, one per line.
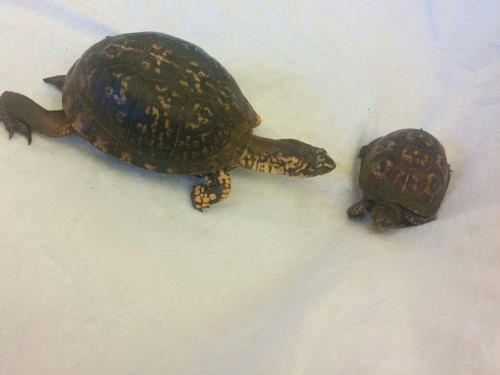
point(162, 103)
point(403, 177)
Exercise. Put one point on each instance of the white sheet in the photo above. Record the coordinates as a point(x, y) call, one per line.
point(106, 269)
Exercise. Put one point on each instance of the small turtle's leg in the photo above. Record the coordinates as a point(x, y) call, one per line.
point(357, 210)
point(217, 186)
point(412, 218)
point(21, 114)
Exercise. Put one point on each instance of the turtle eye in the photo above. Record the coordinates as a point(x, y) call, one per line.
point(378, 169)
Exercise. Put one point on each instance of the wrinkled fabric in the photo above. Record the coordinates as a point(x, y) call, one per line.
point(106, 268)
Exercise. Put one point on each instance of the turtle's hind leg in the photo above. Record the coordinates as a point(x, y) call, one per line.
point(21, 114)
point(217, 186)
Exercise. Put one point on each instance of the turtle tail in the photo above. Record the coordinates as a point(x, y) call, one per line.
point(57, 81)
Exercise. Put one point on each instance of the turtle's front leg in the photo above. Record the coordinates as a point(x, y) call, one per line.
point(21, 114)
point(217, 186)
point(358, 210)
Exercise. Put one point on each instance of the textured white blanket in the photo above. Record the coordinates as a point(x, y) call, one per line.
point(107, 269)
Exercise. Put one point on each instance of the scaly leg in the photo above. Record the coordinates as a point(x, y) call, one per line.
point(21, 114)
point(217, 186)
point(357, 210)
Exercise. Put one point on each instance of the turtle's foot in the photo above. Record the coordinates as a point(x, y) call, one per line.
point(20, 114)
point(357, 210)
point(217, 187)
point(8, 118)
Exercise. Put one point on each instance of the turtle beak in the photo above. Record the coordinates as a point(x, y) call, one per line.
point(328, 165)
point(325, 163)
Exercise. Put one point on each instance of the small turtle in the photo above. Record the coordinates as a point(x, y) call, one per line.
point(403, 177)
point(163, 104)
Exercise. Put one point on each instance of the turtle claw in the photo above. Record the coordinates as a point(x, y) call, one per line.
point(358, 210)
point(11, 123)
point(19, 127)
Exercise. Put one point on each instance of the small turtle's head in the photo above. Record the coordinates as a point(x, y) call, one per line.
point(300, 159)
point(386, 215)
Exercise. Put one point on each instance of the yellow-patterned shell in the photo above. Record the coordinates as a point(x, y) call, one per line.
point(158, 102)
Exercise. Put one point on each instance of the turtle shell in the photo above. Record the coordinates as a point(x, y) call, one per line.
point(158, 102)
point(407, 167)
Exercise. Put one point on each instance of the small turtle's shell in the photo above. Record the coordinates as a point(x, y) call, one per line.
point(158, 102)
point(407, 167)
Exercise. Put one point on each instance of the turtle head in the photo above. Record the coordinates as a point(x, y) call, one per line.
point(386, 215)
point(286, 157)
point(300, 159)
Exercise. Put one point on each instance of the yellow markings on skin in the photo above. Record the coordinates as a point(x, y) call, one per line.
point(203, 195)
point(194, 63)
point(146, 65)
point(184, 83)
point(157, 70)
point(175, 94)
